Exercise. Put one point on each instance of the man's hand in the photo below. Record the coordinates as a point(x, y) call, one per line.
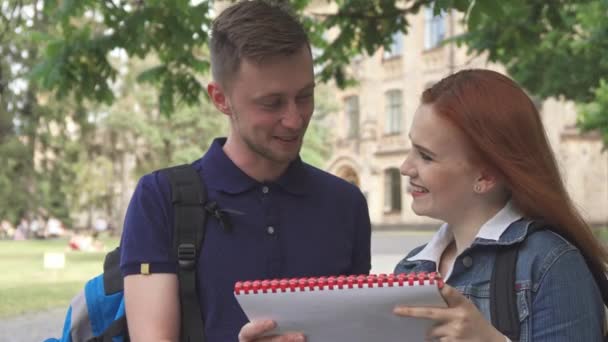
point(253, 331)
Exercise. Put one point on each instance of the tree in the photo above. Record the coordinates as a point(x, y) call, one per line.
point(77, 61)
point(553, 48)
point(67, 156)
point(30, 130)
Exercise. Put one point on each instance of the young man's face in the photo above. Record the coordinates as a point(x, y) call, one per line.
point(270, 105)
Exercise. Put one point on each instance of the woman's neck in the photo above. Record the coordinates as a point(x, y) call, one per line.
point(466, 226)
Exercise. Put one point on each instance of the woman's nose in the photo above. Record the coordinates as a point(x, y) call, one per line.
point(407, 168)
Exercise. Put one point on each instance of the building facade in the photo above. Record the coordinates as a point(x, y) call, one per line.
point(370, 140)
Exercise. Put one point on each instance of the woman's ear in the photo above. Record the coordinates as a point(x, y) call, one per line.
point(487, 181)
point(219, 98)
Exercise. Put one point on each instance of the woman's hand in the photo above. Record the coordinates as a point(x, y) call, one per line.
point(460, 321)
point(253, 331)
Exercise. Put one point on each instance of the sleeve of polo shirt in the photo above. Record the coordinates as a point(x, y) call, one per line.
point(362, 252)
point(146, 244)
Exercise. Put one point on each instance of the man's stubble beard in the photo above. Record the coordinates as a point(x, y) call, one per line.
point(259, 148)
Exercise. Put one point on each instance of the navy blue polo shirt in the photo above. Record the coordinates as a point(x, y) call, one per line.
point(307, 223)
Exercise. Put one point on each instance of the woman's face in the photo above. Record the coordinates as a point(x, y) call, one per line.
point(439, 166)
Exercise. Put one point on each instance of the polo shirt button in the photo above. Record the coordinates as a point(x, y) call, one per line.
point(270, 230)
point(467, 261)
point(265, 189)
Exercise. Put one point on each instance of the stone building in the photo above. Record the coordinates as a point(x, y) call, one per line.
point(370, 140)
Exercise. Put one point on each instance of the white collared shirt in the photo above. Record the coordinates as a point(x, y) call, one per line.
point(491, 230)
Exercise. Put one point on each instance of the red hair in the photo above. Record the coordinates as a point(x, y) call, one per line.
point(503, 125)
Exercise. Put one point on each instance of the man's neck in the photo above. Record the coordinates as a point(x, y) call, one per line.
point(252, 164)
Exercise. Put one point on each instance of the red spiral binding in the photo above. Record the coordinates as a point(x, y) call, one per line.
point(337, 282)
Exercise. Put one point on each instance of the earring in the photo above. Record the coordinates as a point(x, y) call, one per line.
point(477, 188)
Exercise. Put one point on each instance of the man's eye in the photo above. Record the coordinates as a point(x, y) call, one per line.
point(304, 98)
point(271, 104)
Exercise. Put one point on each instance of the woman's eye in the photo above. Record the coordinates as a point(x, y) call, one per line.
point(425, 156)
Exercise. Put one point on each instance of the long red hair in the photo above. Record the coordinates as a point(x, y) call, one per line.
point(504, 126)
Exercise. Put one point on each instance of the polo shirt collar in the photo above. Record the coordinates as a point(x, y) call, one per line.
point(225, 176)
point(296, 178)
point(489, 231)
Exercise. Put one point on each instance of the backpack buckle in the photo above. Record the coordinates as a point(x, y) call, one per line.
point(186, 254)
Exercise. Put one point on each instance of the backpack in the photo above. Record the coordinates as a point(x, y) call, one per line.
point(97, 314)
point(503, 301)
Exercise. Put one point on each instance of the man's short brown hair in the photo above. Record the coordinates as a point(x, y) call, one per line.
point(254, 30)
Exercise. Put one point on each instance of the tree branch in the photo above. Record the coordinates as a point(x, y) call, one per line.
point(354, 14)
point(8, 20)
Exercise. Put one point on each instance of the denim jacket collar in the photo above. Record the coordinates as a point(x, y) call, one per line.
point(494, 232)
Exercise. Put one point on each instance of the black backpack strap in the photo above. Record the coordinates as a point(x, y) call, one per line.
point(188, 197)
point(112, 278)
point(503, 301)
point(117, 328)
point(503, 298)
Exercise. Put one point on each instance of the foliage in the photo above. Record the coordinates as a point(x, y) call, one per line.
point(13, 198)
point(315, 150)
point(76, 59)
point(553, 48)
point(26, 123)
point(594, 115)
point(68, 157)
point(109, 73)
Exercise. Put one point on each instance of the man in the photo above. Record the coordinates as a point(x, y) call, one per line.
point(295, 220)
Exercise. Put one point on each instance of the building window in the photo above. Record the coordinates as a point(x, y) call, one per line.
point(351, 105)
point(434, 28)
point(396, 47)
point(394, 109)
point(392, 190)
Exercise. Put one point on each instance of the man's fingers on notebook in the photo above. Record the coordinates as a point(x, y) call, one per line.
point(253, 330)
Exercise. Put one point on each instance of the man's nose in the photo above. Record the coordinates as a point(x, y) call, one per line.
point(292, 118)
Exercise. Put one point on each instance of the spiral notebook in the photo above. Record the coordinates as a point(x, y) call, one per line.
point(343, 308)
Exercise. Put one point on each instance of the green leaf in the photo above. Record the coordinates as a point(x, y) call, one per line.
point(154, 74)
point(201, 66)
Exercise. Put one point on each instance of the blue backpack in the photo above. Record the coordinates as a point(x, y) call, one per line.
point(97, 314)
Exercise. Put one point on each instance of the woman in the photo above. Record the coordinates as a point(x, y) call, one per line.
point(480, 161)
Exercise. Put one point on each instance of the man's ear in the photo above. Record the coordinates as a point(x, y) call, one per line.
point(218, 97)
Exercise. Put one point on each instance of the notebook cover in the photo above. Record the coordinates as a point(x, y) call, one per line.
point(353, 308)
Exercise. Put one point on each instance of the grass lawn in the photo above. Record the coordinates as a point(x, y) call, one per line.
point(26, 286)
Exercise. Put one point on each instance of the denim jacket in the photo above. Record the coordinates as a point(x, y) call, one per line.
point(557, 297)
